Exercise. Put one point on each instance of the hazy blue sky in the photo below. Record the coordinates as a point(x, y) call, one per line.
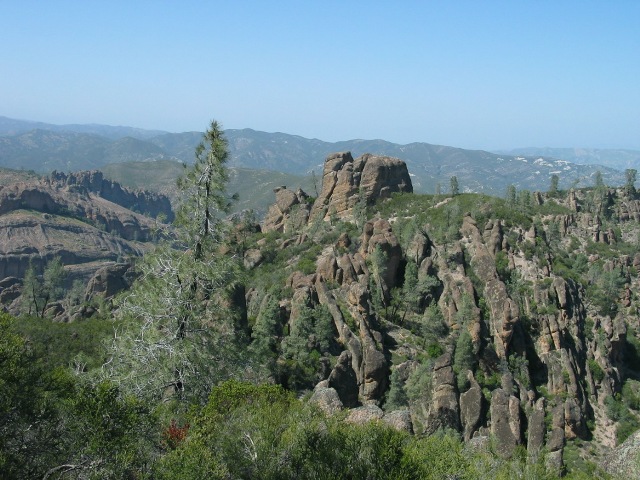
point(477, 74)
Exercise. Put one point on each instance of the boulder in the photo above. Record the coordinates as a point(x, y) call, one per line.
point(289, 212)
point(110, 280)
point(365, 414)
point(505, 422)
point(400, 420)
point(471, 408)
point(344, 380)
point(327, 399)
point(347, 182)
point(444, 411)
point(623, 461)
point(537, 428)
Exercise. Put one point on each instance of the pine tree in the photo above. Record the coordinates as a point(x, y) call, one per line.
point(32, 295)
point(511, 195)
point(553, 187)
point(179, 333)
point(630, 185)
point(455, 190)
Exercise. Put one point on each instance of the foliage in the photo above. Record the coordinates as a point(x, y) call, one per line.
point(596, 370)
point(397, 396)
point(265, 333)
point(553, 187)
point(627, 423)
point(519, 366)
point(79, 344)
point(179, 331)
point(453, 185)
point(38, 291)
point(502, 266)
point(311, 335)
point(54, 423)
point(117, 431)
point(630, 176)
point(418, 385)
point(29, 433)
point(463, 359)
point(433, 327)
point(631, 393)
point(260, 432)
point(377, 262)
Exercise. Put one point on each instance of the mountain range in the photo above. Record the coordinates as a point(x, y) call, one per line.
point(44, 147)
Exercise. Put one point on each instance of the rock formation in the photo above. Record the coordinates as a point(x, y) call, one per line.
point(347, 182)
point(70, 217)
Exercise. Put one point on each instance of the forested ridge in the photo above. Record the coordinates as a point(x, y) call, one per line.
point(366, 332)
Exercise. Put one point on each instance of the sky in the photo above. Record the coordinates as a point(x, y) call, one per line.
point(470, 74)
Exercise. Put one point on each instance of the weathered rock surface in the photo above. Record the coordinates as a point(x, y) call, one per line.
point(399, 419)
point(444, 411)
point(365, 414)
point(289, 213)
point(66, 216)
point(149, 203)
point(346, 181)
point(471, 408)
point(343, 379)
point(624, 461)
point(505, 422)
point(110, 280)
point(327, 399)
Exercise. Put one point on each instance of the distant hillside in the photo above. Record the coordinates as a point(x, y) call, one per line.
point(430, 166)
point(615, 158)
point(11, 126)
point(9, 176)
point(254, 187)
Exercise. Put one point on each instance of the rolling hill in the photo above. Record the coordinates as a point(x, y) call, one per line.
point(71, 148)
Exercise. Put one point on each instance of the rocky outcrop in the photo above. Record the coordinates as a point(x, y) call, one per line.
point(471, 408)
point(378, 237)
point(29, 238)
point(344, 381)
point(110, 280)
point(505, 422)
point(53, 198)
point(347, 182)
point(544, 354)
point(444, 411)
point(289, 213)
point(326, 398)
point(624, 460)
point(62, 217)
point(147, 203)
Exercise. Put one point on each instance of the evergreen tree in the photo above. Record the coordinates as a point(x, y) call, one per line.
point(397, 396)
point(32, 295)
point(179, 332)
point(553, 187)
point(265, 333)
point(53, 282)
point(597, 179)
point(630, 185)
point(463, 359)
point(511, 195)
point(455, 190)
point(377, 261)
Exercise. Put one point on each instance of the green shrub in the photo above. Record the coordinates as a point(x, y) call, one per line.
point(596, 371)
point(434, 350)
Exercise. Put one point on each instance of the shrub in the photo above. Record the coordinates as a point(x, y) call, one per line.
point(596, 371)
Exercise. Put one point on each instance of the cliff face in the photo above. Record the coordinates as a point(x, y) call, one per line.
point(347, 182)
point(140, 201)
point(515, 327)
point(68, 217)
